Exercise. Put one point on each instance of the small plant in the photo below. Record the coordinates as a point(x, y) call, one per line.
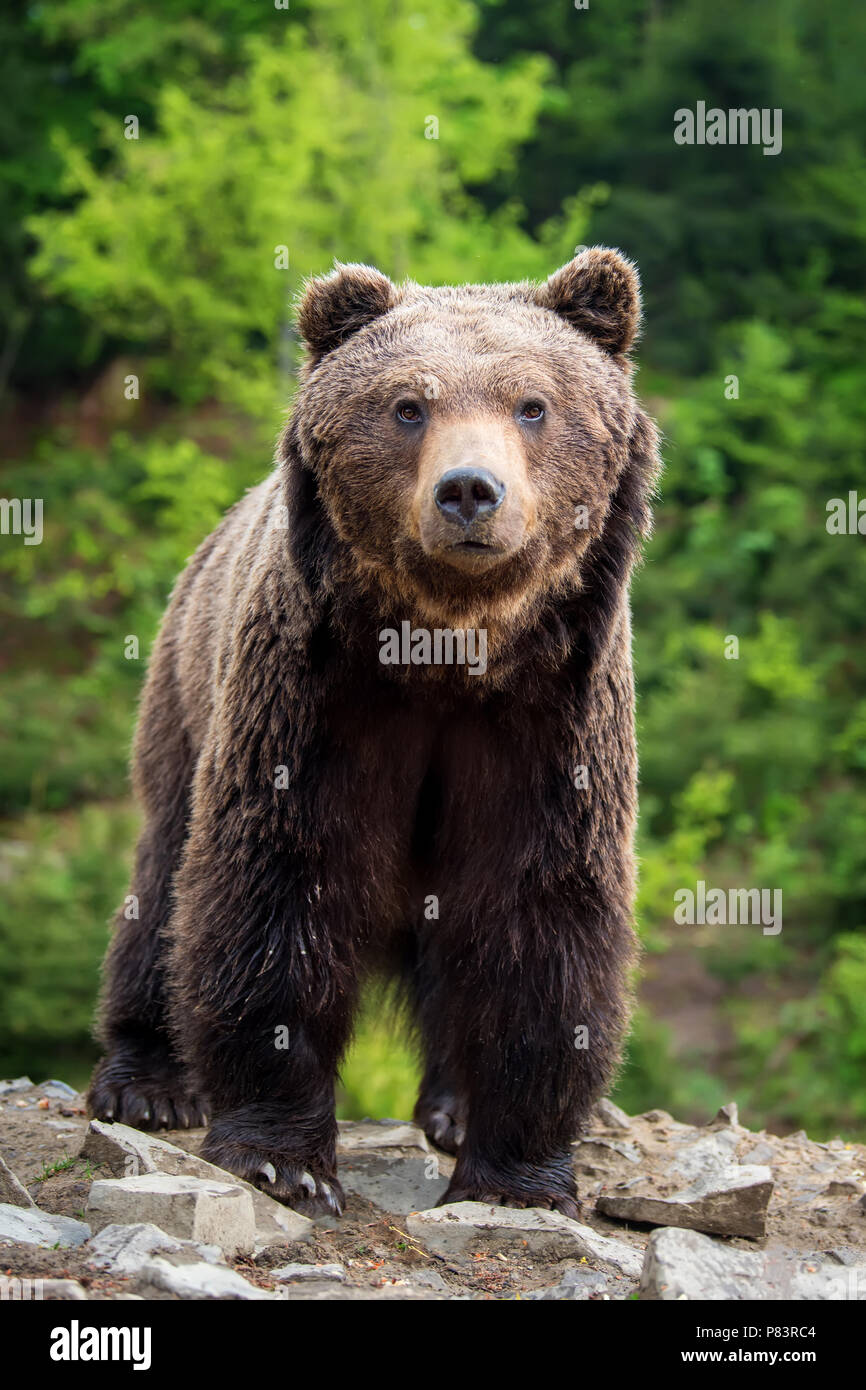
point(61, 1166)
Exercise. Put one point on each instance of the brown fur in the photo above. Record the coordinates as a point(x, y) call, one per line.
point(266, 906)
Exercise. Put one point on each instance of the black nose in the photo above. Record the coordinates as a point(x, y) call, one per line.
point(468, 494)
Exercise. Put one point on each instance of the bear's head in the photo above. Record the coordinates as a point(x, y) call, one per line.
point(473, 450)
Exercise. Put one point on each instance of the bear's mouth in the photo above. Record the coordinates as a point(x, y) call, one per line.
point(474, 555)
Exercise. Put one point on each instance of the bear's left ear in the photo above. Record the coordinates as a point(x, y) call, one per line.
point(335, 306)
point(599, 294)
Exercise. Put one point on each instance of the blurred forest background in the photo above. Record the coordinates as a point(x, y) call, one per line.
point(309, 128)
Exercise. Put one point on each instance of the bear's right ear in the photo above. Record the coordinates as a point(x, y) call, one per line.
point(599, 294)
point(335, 306)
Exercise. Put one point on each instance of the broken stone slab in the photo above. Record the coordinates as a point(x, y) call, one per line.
point(840, 1255)
point(127, 1152)
point(57, 1090)
point(199, 1280)
point(127, 1249)
point(295, 1272)
point(463, 1227)
point(730, 1202)
point(727, 1115)
point(576, 1285)
point(395, 1180)
point(611, 1116)
point(62, 1290)
point(844, 1187)
point(594, 1150)
point(380, 1134)
point(429, 1279)
point(708, 1154)
point(391, 1164)
point(682, 1264)
point(21, 1083)
point(761, 1152)
point(12, 1192)
point(828, 1283)
point(611, 1254)
point(215, 1213)
point(33, 1227)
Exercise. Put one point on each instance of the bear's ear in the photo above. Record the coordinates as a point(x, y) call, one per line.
point(335, 306)
point(599, 294)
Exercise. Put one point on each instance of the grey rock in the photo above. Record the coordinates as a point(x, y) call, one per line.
point(12, 1192)
point(391, 1165)
point(126, 1152)
point(215, 1213)
point(681, 1264)
point(57, 1090)
point(841, 1255)
point(462, 1228)
point(843, 1187)
point(21, 1083)
point(62, 1290)
point(827, 1283)
point(33, 1227)
point(799, 1138)
point(395, 1183)
point(200, 1281)
point(727, 1115)
point(611, 1116)
point(127, 1249)
point(595, 1150)
point(759, 1153)
point(686, 1265)
point(380, 1134)
point(709, 1154)
point(295, 1272)
point(729, 1202)
point(429, 1279)
point(576, 1285)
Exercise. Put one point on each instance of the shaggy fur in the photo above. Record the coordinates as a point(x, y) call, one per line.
point(267, 896)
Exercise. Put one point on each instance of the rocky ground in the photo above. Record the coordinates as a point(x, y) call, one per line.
point(670, 1211)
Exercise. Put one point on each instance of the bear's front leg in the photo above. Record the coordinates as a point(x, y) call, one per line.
point(263, 991)
point(540, 1037)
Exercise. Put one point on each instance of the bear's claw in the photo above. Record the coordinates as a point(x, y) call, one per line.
point(501, 1197)
point(304, 1184)
point(146, 1093)
point(300, 1190)
point(443, 1120)
point(549, 1184)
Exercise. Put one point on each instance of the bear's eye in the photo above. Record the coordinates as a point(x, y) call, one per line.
point(532, 411)
point(409, 413)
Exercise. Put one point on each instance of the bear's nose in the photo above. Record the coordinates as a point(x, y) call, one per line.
point(468, 494)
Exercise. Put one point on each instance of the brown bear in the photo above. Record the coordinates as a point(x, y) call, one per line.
point(388, 726)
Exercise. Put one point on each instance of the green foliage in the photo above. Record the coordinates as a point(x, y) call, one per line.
point(379, 1077)
point(119, 524)
point(62, 879)
point(177, 242)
